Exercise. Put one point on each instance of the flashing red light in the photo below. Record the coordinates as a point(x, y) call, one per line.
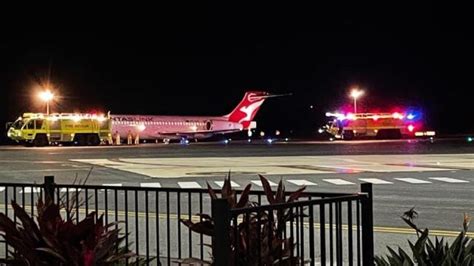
point(351, 116)
point(397, 115)
point(411, 128)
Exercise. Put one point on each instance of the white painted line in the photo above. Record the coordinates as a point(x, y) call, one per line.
point(189, 185)
point(156, 184)
point(449, 180)
point(28, 190)
point(221, 183)
point(337, 181)
point(413, 180)
point(375, 181)
point(259, 183)
point(302, 182)
point(70, 189)
point(2, 189)
point(112, 185)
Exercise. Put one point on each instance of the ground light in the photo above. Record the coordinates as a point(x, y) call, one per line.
point(470, 139)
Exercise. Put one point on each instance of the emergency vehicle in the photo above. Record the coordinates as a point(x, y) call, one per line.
point(379, 125)
point(40, 129)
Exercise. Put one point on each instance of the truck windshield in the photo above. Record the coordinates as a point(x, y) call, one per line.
point(18, 124)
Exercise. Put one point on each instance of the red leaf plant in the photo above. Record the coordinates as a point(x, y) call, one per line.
point(53, 240)
point(259, 239)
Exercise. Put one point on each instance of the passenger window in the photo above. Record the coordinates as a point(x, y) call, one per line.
point(39, 124)
point(31, 124)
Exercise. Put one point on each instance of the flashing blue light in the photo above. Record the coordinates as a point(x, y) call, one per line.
point(269, 141)
point(249, 140)
point(226, 141)
point(413, 114)
point(187, 141)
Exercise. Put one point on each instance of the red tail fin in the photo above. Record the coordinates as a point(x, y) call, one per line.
point(247, 108)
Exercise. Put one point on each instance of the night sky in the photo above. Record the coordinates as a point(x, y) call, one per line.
point(200, 60)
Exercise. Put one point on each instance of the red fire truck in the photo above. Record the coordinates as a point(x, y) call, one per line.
point(379, 125)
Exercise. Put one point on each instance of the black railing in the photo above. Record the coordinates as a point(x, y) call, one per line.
point(323, 230)
point(336, 227)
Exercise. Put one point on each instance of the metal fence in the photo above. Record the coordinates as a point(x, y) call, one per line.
point(335, 228)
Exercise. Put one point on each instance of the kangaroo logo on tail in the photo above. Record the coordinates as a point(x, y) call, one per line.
point(247, 108)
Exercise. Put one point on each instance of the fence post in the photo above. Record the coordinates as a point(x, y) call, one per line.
point(221, 239)
point(367, 225)
point(49, 188)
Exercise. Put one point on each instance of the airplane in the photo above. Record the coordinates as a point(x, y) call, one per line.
point(168, 128)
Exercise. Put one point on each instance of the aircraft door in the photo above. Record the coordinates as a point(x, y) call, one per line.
point(208, 125)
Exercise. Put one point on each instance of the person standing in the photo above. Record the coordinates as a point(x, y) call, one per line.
point(117, 138)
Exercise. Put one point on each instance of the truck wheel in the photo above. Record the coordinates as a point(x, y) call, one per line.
point(389, 134)
point(80, 140)
point(93, 140)
point(348, 135)
point(40, 140)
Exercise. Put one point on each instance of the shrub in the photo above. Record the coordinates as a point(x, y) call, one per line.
point(425, 252)
point(276, 250)
point(52, 240)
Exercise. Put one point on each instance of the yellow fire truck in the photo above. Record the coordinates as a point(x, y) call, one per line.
point(37, 129)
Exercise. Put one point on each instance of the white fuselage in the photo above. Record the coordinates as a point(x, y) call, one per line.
point(171, 127)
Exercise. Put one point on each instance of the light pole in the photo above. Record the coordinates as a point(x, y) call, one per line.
point(46, 96)
point(356, 93)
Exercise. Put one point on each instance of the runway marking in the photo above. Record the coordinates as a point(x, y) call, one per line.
point(29, 190)
point(221, 183)
point(69, 189)
point(259, 183)
point(112, 185)
point(156, 184)
point(282, 165)
point(337, 181)
point(189, 185)
point(375, 181)
point(413, 180)
point(302, 182)
point(449, 180)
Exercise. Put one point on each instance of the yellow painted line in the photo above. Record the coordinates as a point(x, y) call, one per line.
point(195, 218)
